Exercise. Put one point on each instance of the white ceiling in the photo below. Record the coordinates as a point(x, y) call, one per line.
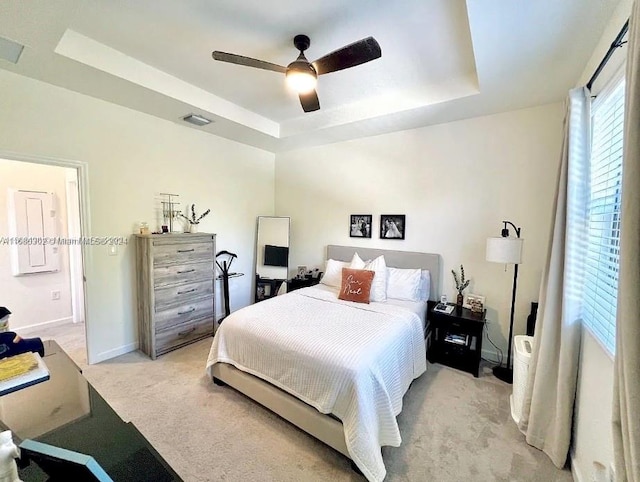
point(441, 60)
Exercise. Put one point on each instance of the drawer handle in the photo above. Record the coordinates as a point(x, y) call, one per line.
point(186, 250)
point(186, 312)
point(187, 291)
point(183, 333)
point(186, 271)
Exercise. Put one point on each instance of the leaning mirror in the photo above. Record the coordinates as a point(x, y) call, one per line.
point(272, 255)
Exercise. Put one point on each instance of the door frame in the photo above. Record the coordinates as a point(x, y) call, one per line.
point(72, 192)
point(82, 169)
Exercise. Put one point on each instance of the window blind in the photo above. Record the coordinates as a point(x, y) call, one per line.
point(600, 293)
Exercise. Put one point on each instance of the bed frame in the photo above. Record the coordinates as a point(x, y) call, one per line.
point(325, 428)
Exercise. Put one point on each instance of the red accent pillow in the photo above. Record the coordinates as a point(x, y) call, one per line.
point(356, 285)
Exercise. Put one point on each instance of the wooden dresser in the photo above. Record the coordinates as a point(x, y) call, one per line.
point(176, 290)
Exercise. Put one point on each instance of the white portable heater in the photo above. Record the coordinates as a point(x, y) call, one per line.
point(522, 355)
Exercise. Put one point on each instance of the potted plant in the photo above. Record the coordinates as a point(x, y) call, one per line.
point(194, 220)
point(461, 285)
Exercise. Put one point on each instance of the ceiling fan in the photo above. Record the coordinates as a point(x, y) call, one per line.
point(302, 75)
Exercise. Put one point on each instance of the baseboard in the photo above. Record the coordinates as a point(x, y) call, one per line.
point(491, 355)
point(107, 355)
point(45, 324)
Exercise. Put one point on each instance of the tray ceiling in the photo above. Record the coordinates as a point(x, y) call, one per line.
point(441, 59)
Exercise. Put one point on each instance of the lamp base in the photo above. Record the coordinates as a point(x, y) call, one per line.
point(503, 373)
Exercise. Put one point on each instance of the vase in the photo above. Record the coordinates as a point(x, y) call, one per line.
point(193, 228)
point(459, 302)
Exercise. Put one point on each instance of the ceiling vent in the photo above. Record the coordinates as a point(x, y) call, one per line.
point(197, 120)
point(10, 50)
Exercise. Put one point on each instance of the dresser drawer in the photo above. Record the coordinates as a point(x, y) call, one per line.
point(181, 253)
point(178, 274)
point(181, 294)
point(182, 334)
point(195, 310)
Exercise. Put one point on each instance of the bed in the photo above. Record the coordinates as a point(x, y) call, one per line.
point(344, 396)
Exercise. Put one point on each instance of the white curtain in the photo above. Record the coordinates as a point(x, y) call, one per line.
point(553, 370)
point(626, 396)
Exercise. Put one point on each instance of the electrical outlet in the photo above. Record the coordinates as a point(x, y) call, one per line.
point(55, 295)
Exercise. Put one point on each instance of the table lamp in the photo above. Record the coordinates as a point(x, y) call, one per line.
point(506, 250)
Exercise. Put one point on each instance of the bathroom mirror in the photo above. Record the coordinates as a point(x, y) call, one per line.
point(272, 255)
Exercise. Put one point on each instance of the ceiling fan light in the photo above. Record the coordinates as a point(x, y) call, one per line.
point(301, 76)
point(301, 82)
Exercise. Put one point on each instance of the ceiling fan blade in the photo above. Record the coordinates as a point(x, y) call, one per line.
point(351, 55)
point(309, 101)
point(247, 61)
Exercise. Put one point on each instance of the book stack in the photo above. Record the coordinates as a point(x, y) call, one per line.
point(456, 339)
point(21, 371)
point(444, 308)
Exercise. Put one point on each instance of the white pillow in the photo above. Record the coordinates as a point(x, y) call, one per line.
point(333, 270)
point(356, 262)
point(333, 273)
point(404, 284)
point(425, 285)
point(379, 284)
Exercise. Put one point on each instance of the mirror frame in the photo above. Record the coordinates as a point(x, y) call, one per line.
point(271, 275)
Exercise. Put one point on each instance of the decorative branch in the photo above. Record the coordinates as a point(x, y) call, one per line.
point(194, 218)
point(461, 284)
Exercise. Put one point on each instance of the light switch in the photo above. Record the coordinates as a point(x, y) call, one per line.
point(113, 250)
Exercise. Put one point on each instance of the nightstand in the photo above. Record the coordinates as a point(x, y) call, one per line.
point(297, 283)
point(456, 339)
point(266, 288)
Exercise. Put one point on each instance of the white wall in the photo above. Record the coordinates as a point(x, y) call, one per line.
point(29, 296)
point(455, 182)
point(131, 157)
point(592, 447)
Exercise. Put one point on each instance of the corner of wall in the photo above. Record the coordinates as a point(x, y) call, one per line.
point(107, 355)
point(575, 470)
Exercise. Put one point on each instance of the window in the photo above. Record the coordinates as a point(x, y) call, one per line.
point(603, 242)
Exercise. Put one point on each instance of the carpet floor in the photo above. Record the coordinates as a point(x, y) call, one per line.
point(454, 427)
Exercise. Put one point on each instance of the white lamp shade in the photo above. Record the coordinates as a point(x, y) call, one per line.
point(504, 250)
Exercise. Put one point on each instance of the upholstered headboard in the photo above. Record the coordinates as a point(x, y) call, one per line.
point(396, 259)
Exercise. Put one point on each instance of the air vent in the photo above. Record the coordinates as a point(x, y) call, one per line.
point(10, 50)
point(197, 120)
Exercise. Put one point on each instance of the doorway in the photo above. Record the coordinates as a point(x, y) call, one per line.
point(49, 302)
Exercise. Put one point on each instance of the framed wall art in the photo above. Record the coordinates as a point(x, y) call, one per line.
point(392, 226)
point(360, 226)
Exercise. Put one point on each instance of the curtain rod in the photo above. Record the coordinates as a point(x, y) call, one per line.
point(617, 43)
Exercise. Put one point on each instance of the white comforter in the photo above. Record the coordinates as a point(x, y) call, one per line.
point(352, 360)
